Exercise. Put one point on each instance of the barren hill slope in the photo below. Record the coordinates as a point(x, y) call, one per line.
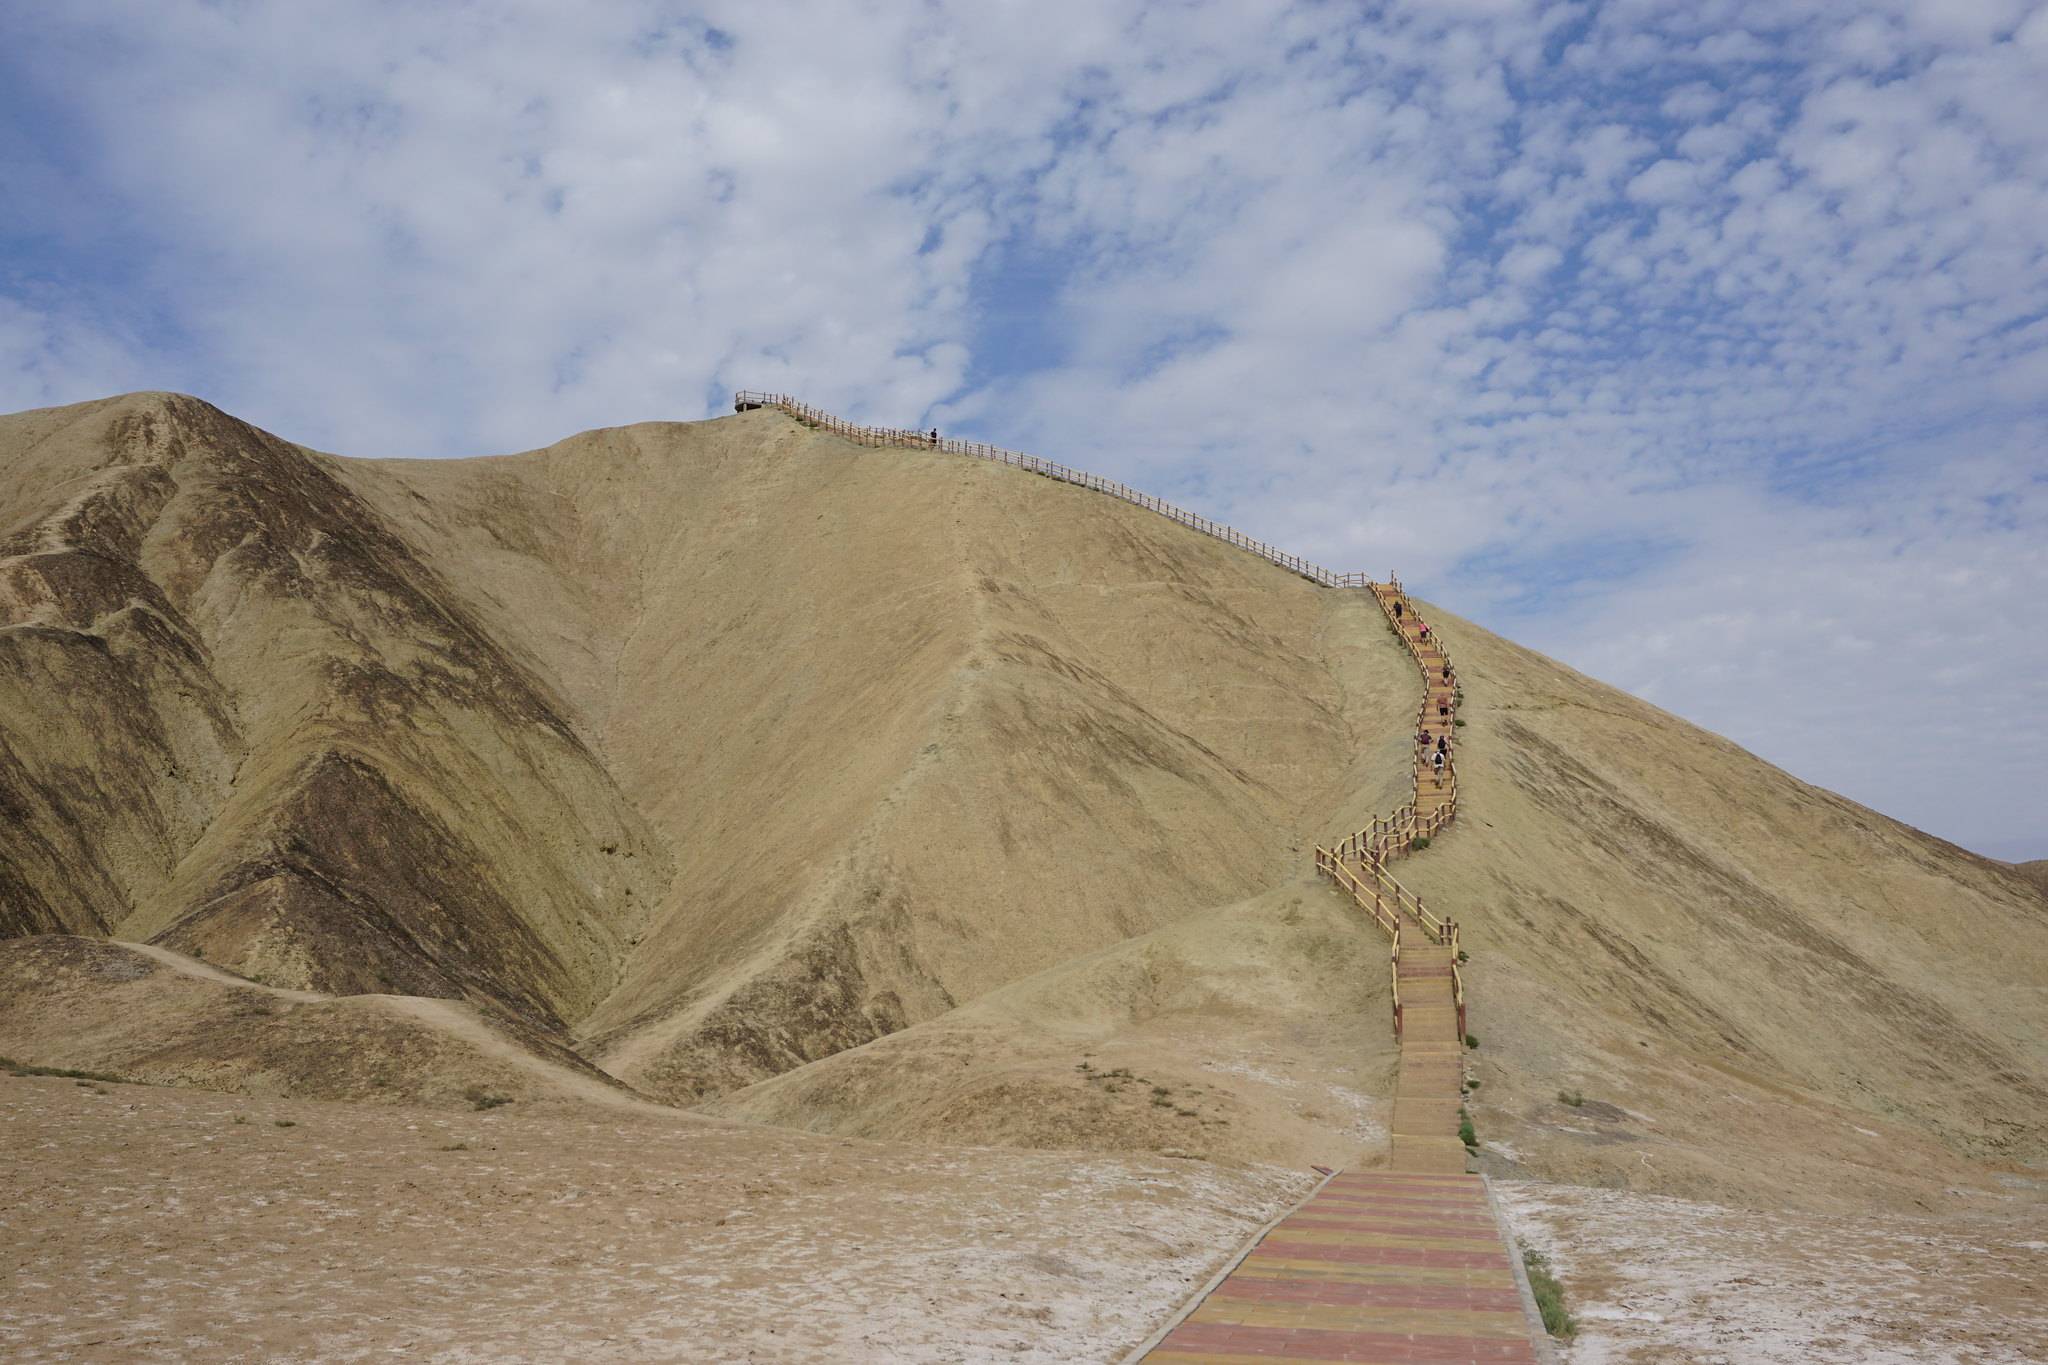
point(1691, 973)
point(1773, 981)
point(726, 743)
point(914, 726)
point(878, 791)
point(238, 714)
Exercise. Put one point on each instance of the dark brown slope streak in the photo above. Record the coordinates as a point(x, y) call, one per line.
point(245, 719)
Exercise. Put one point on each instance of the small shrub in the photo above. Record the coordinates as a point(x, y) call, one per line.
point(1458, 722)
point(480, 1099)
point(456, 1147)
point(241, 1118)
point(1570, 1097)
point(1162, 1102)
point(286, 1123)
point(1464, 956)
point(1467, 1134)
point(13, 1067)
point(1549, 1297)
point(1161, 1091)
point(1471, 1085)
point(1419, 842)
point(1471, 1040)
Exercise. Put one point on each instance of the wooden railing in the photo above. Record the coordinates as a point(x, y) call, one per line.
point(1358, 863)
point(919, 440)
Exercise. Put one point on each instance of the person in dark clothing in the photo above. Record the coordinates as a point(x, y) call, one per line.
point(935, 438)
point(1397, 611)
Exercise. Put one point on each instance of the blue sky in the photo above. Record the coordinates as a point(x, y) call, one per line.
point(1703, 345)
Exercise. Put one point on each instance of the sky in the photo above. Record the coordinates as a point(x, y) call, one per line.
point(1702, 344)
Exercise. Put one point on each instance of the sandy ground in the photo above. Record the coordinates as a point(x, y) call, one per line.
point(146, 1223)
point(1658, 1279)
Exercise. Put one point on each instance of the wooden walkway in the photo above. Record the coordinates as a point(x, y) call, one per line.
point(1378, 1266)
point(1407, 1264)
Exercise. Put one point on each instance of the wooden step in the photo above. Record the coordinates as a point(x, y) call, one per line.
point(1428, 1155)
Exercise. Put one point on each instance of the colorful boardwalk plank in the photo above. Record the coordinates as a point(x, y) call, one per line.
point(1379, 1266)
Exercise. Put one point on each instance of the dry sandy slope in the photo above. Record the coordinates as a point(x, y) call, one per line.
point(147, 1013)
point(240, 716)
point(148, 1224)
point(1793, 998)
point(916, 726)
point(1256, 1032)
point(726, 744)
point(728, 747)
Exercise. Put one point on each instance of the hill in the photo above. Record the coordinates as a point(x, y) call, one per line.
point(884, 792)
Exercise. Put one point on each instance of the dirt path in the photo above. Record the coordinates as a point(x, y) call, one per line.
point(206, 971)
point(449, 1017)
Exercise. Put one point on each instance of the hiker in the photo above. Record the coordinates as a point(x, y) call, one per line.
point(1443, 705)
point(1438, 763)
point(1422, 737)
point(1397, 611)
point(935, 438)
point(1443, 745)
point(1421, 628)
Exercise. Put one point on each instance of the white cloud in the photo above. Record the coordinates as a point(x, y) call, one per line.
point(1527, 263)
point(1665, 182)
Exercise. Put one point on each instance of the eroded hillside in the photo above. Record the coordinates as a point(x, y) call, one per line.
point(893, 794)
point(726, 744)
point(242, 718)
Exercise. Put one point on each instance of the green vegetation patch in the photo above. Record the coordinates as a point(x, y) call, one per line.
point(1549, 1297)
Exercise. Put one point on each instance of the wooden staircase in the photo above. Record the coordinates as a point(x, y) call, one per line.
point(1430, 1087)
point(1429, 995)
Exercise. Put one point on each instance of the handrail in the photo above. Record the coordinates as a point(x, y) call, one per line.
point(918, 440)
point(1394, 969)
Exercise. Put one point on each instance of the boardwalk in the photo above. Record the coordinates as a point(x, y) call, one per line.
point(1378, 1266)
point(1406, 1264)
